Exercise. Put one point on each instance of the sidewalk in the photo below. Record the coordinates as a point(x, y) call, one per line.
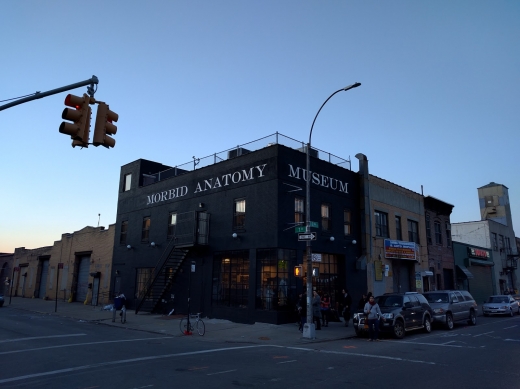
point(216, 329)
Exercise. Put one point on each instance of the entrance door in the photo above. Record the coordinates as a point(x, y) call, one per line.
point(401, 276)
point(83, 273)
point(95, 291)
point(43, 279)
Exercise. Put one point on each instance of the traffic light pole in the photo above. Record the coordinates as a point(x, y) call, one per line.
point(39, 95)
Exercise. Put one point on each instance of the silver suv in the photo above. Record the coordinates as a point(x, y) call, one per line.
point(450, 306)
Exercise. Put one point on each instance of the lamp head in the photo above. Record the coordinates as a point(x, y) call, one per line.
point(354, 241)
point(128, 247)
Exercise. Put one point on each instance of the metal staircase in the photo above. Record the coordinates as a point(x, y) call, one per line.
point(162, 278)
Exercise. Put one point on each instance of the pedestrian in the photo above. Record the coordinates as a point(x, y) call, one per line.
point(302, 310)
point(325, 309)
point(372, 314)
point(362, 301)
point(316, 309)
point(346, 303)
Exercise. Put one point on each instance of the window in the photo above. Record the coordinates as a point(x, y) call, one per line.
point(438, 232)
point(142, 279)
point(172, 222)
point(276, 286)
point(508, 245)
point(494, 241)
point(128, 182)
point(124, 228)
point(299, 211)
point(145, 233)
point(326, 224)
point(448, 234)
point(346, 222)
point(501, 242)
point(239, 215)
point(231, 279)
point(413, 231)
point(328, 280)
point(381, 224)
point(428, 229)
point(398, 230)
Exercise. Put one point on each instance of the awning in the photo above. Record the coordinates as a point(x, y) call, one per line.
point(464, 272)
point(427, 273)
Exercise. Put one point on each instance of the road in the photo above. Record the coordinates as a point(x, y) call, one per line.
point(42, 351)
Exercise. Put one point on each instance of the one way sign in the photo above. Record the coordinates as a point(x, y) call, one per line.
point(308, 236)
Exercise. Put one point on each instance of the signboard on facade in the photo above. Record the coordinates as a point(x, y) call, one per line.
point(316, 257)
point(399, 249)
point(479, 253)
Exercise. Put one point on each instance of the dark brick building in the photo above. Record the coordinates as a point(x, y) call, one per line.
point(233, 223)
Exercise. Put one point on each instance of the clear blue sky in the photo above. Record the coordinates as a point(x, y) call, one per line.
point(190, 78)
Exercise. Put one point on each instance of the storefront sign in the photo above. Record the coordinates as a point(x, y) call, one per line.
point(478, 253)
point(398, 249)
point(318, 179)
point(209, 184)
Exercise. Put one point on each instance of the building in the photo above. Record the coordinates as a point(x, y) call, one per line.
point(80, 264)
point(441, 261)
point(494, 232)
point(6, 268)
point(394, 235)
point(224, 233)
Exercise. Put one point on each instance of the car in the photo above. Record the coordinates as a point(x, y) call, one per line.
point(1, 300)
point(450, 306)
point(501, 304)
point(402, 312)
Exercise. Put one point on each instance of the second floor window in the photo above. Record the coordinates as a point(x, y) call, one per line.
point(346, 222)
point(428, 229)
point(381, 224)
point(145, 233)
point(239, 215)
point(326, 224)
point(413, 231)
point(508, 245)
point(398, 230)
point(448, 234)
point(494, 241)
point(172, 222)
point(124, 229)
point(299, 211)
point(438, 232)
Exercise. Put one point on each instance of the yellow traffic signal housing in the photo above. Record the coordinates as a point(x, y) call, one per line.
point(298, 271)
point(104, 127)
point(79, 129)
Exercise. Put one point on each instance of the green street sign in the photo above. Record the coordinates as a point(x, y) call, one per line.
point(314, 224)
point(299, 229)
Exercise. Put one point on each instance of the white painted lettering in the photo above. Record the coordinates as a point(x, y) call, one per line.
point(293, 173)
point(233, 177)
point(335, 187)
point(217, 183)
point(207, 184)
point(315, 178)
point(325, 181)
point(150, 200)
point(245, 176)
point(198, 189)
point(261, 169)
point(343, 186)
point(225, 178)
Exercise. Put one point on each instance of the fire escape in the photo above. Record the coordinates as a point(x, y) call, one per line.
point(192, 230)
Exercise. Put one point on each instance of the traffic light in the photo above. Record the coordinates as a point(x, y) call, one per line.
point(298, 271)
point(315, 271)
point(79, 129)
point(104, 126)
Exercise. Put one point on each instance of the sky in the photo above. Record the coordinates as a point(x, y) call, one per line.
point(438, 108)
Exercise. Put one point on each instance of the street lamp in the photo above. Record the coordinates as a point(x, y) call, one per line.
point(308, 329)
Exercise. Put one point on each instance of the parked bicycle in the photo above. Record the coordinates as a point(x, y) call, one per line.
point(189, 323)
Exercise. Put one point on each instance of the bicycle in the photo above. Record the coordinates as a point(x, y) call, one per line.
point(196, 323)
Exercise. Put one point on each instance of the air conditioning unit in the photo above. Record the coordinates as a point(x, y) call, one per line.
point(312, 152)
point(237, 152)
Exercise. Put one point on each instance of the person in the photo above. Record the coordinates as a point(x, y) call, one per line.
point(362, 301)
point(325, 309)
point(302, 310)
point(346, 303)
point(316, 309)
point(373, 313)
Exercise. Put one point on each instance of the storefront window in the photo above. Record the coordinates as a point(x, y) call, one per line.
point(142, 279)
point(231, 279)
point(276, 286)
point(328, 281)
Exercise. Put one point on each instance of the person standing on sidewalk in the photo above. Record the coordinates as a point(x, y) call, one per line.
point(346, 303)
point(325, 309)
point(302, 310)
point(316, 309)
point(372, 314)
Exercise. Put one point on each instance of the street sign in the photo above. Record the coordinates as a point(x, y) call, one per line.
point(300, 229)
point(314, 224)
point(309, 236)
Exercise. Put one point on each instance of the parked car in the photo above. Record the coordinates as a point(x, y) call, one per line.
point(503, 304)
point(450, 306)
point(402, 312)
point(1, 300)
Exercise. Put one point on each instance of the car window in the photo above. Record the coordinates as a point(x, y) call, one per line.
point(414, 300)
point(406, 299)
point(437, 297)
point(389, 301)
point(497, 299)
point(459, 296)
point(422, 299)
point(467, 295)
point(454, 298)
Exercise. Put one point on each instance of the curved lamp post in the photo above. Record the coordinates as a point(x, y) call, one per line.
point(308, 330)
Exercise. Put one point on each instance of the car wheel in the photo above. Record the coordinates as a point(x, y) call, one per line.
point(472, 318)
point(449, 321)
point(399, 329)
point(427, 325)
point(511, 312)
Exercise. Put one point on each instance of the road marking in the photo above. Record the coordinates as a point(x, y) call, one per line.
point(439, 345)
point(512, 340)
point(510, 327)
point(222, 372)
point(485, 333)
point(294, 360)
point(372, 356)
point(40, 337)
point(81, 344)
